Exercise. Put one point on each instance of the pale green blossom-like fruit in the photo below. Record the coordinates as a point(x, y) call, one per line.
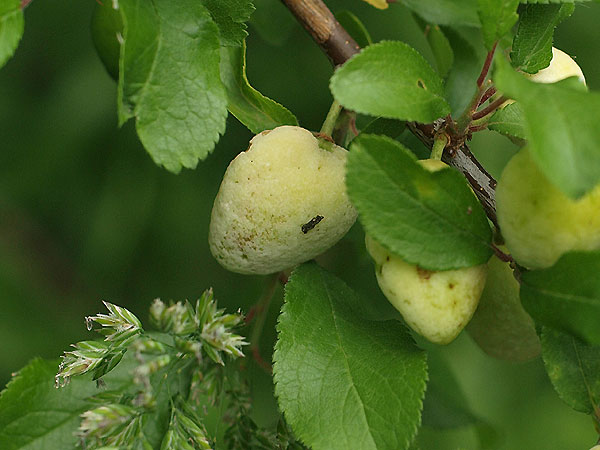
point(500, 326)
point(281, 202)
point(561, 66)
point(538, 222)
point(435, 304)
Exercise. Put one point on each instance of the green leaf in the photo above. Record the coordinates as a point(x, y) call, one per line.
point(169, 79)
point(561, 126)
point(566, 295)
point(532, 45)
point(461, 82)
point(439, 44)
point(230, 16)
point(390, 79)
point(446, 12)
point(445, 405)
point(354, 27)
point(573, 368)
point(37, 415)
point(509, 121)
point(497, 18)
point(11, 28)
point(388, 127)
point(249, 106)
point(429, 219)
point(344, 382)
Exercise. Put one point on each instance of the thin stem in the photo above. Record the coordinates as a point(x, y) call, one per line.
point(492, 107)
point(24, 3)
point(259, 312)
point(439, 144)
point(486, 65)
point(331, 119)
point(487, 95)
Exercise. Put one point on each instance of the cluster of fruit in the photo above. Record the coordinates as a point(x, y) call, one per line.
point(283, 202)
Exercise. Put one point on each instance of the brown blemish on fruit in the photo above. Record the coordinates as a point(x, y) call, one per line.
point(424, 273)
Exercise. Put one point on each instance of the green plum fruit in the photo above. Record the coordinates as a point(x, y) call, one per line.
point(561, 66)
point(500, 325)
point(538, 222)
point(435, 304)
point(107, 27)
point(281, 202)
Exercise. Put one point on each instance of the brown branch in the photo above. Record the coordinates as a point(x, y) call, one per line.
point(339, 47)
point(326, 31)
point(24, 3)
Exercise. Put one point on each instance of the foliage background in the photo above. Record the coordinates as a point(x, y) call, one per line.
point(85, 215)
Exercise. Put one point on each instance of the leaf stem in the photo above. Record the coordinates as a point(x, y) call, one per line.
point(487, 95)
point(439, 144)
point(486, 65)
point(491, 108)
point(331, 119)
point(259, 311)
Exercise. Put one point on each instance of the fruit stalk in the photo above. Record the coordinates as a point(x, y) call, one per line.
point(337, 44)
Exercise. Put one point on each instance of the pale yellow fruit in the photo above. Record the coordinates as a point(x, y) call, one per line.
point(437, 305)
point(561, 66)
point(538, 222)
point(500, 326)
point(281, 202)
point(379, 4)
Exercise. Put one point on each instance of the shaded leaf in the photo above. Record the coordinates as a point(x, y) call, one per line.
point(567, 295)
point(342, 381)
point(446, 12)
point(249, 106)
point(573, 368)
point(354, 27)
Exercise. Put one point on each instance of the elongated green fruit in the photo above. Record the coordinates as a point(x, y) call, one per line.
point(281, 202)
point(437, 305)
point(500, 326)
point(538, 222)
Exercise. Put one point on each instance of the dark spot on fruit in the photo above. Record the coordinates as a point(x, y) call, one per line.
point(311, 224)
point(387, 258)
point(421, 84)
point(424, 273)
point(450, 285)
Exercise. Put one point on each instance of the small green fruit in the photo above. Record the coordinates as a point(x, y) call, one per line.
point(436, 304)
point(281, 202)
point(561, 66)
point(500, 326)
point(107, 26)
point(538, 222)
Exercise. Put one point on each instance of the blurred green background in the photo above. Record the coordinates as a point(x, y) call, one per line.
point(85, 215)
